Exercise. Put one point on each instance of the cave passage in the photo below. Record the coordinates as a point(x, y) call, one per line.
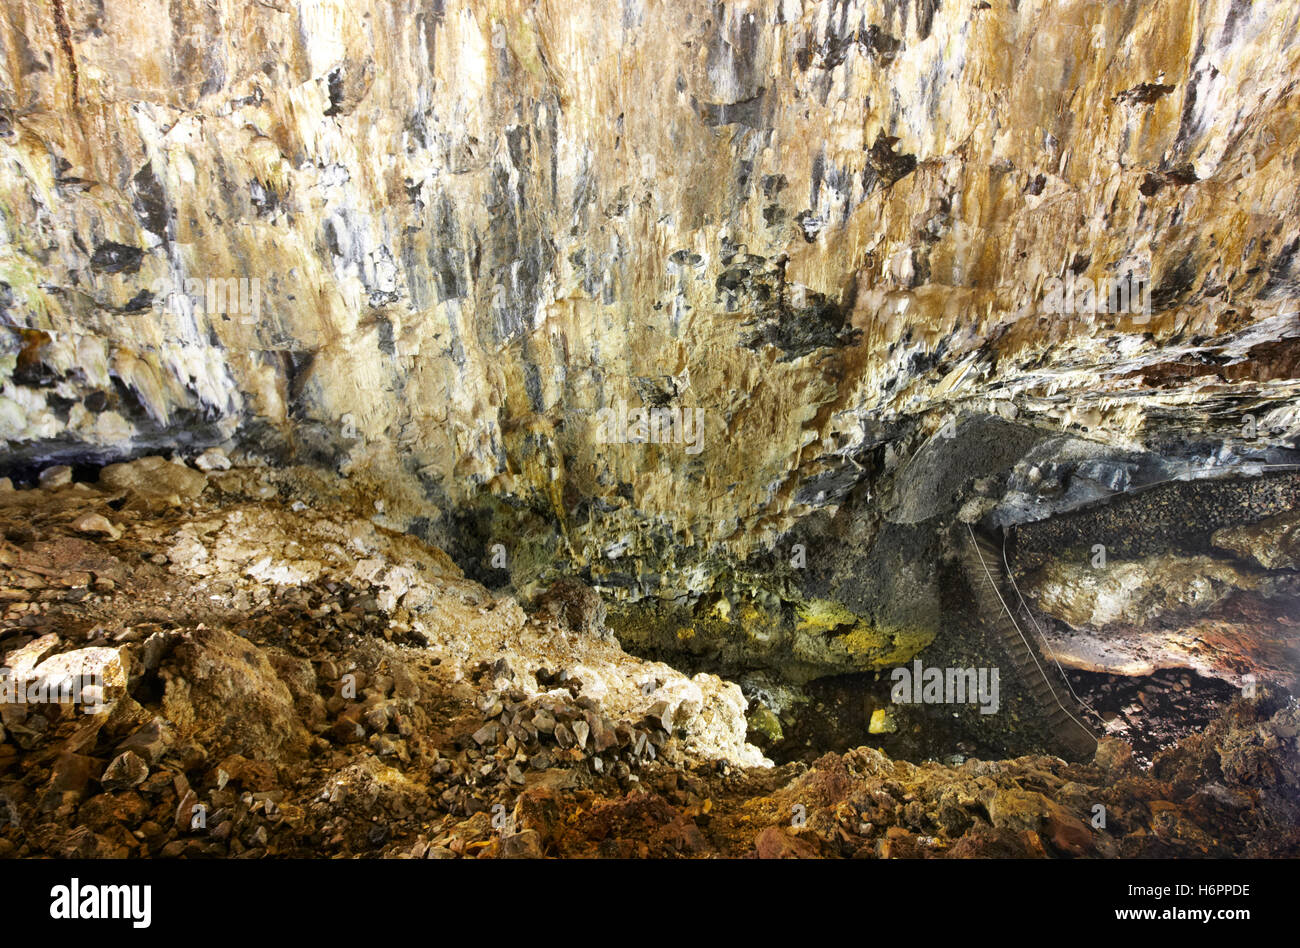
point(438, 429)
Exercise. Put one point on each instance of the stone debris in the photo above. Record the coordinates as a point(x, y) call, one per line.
point(213, 459)
point(96, 525)
point(225, 669)
point(126, 770)
point(56, 476)
point(154, 482)
point(280, 683)
point(740, 330)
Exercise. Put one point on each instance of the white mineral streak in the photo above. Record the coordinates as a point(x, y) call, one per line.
point(464, 216)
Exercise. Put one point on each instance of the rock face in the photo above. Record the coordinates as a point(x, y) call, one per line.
point(574, 605)
point(1273, 543)
point(728, 324)
point(430, 244)
point(1159, 579)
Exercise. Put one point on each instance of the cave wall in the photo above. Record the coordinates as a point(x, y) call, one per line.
point(465, 228)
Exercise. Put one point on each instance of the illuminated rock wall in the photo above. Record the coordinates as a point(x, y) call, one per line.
point(430, 241)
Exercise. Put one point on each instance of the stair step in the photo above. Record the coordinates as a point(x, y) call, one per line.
point(1046, 690)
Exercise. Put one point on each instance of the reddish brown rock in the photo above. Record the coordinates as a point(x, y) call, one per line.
point(777, 842)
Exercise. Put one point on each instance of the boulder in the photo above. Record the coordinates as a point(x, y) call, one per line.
point(154, 483)
point(224, 691)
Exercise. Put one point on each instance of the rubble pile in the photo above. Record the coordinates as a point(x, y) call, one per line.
point(259, 669)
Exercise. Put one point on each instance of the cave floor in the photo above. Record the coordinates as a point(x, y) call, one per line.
point(283, 677)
